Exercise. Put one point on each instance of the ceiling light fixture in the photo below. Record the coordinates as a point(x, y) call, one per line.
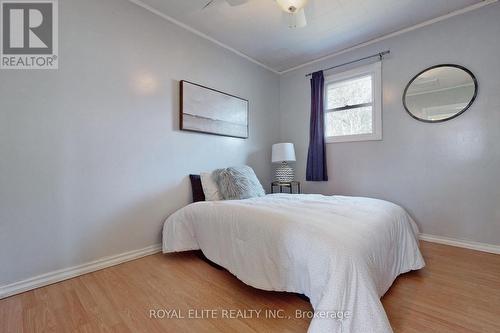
point(291, 6)
point(294, 14)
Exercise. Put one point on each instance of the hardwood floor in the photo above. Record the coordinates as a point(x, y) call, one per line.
point(458, 291)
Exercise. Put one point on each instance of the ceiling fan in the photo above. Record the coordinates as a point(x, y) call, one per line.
point(230, 2)
point(294, 13)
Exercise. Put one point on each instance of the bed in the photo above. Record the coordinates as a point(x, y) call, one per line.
point(342, 252)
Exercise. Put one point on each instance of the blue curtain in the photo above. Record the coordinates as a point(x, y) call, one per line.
point(316, 155)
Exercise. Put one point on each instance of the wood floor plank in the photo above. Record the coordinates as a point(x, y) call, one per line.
point(458, 291)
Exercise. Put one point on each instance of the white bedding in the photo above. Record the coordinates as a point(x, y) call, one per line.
point(342, 252)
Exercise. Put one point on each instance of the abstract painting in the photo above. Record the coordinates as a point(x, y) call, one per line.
point(211, 111)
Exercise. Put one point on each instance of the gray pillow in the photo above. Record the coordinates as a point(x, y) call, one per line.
point(237, 183)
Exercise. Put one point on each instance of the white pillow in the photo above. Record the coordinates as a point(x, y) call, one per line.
point(210, 188)
point(237, 183)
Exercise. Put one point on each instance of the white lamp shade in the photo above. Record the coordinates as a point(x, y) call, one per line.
point(283, 152)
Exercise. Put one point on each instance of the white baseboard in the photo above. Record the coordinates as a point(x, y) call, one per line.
point(484, 247)
point(68, 273)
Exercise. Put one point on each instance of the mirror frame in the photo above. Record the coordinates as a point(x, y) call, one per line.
point(476, 88)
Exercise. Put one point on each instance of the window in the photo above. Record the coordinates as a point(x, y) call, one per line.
point(353, 105)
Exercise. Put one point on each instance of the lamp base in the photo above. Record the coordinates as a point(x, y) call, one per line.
point(284, 173)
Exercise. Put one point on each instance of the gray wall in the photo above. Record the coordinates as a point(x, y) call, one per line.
point(446, 175)
point(92, 160)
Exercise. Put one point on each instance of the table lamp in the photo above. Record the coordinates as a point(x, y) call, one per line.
point(283, 153)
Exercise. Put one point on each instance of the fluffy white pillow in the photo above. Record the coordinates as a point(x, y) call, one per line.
point(210, 188)
point(237, 183)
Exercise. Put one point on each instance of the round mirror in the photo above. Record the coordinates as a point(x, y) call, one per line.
point(440, 93)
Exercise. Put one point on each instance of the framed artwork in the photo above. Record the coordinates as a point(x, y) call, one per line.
point(210, 111)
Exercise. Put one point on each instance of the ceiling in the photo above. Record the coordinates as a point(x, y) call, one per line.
point(257, 30)
point(439, 79)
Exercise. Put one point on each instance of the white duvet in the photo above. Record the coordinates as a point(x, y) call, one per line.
point(342, 252)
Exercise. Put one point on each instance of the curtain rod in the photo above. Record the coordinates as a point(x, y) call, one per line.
point(380, 55)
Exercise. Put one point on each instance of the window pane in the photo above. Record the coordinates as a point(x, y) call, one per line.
point(349, 122)
point(349, 92)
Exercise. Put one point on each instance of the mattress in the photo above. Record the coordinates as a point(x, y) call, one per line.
point(342, 252)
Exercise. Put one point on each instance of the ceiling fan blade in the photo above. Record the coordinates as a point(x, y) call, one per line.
point(236, 2)
point(208, 4)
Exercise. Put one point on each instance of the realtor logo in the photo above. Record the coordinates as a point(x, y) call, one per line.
point(29, 34)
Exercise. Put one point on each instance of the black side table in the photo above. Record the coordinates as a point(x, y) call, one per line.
point(289, 185)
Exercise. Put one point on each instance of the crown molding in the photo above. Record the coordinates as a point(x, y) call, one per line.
point(467, 9)
point(394, 34)
point(201, 34)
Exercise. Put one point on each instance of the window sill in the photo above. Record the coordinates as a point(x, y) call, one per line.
point(353, 138)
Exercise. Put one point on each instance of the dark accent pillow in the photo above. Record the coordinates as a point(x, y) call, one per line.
point(198, 194)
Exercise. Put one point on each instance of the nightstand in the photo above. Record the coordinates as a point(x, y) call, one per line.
point(286, 185)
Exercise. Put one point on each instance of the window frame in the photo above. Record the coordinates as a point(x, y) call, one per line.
point(375, 71)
